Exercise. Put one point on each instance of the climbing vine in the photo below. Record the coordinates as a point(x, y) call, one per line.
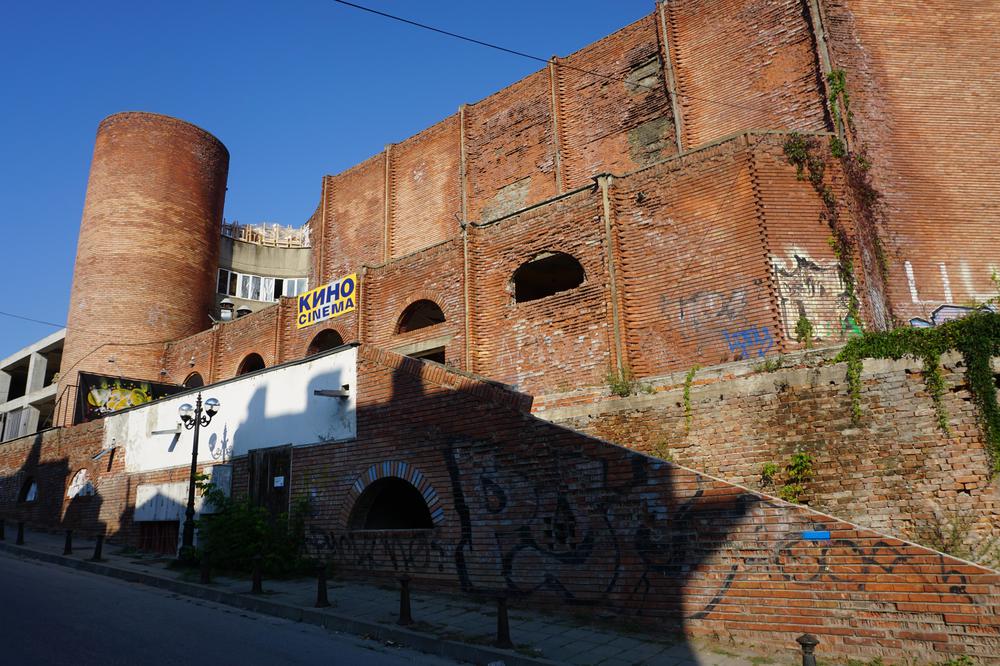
point(837, 82)
point(801, 152)
point(687, 395)
point(976, 337)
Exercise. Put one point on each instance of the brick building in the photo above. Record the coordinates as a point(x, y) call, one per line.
point(684, 192)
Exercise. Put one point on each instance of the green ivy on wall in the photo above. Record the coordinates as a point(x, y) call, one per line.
point(976, 337)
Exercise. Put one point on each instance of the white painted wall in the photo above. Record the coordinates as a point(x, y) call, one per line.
point(272, 408)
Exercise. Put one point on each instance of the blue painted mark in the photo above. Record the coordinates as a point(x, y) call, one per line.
point(816, 536)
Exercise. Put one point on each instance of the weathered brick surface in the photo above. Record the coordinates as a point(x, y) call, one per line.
point(922, 84)
point(896, 471)
point(355, 218)
point(559, 339)
point(716, 254)
point(743, 64)
point(425, 188)
point(614, 112)
point(556, 518)
point(511, 149)
point(148, 247)
point(435, 275)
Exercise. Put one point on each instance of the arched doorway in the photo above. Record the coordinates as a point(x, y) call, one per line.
point(390, 503)
point(324, 341)
point(251, 363)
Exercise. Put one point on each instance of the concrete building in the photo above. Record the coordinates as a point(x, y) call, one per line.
point(28, 382)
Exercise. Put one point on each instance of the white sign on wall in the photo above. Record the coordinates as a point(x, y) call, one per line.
point(270, 408)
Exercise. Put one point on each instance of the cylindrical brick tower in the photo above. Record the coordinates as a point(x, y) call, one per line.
point(148, 250)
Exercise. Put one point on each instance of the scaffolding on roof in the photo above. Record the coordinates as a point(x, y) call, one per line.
point(264, 233)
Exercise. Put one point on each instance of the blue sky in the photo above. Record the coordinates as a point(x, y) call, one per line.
point(294, 90)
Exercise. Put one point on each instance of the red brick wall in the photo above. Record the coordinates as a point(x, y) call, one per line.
point(563, 339)
point(806, 272)
point(716, 252)
point(556, 518)
point(896, 471)
point(921, 82)
point(426, 195)
point(510, 149)
point(148, 248)
point(614, 112)
point(743, 64)
point(355, 218)
point(436, 275)
point(694, 263)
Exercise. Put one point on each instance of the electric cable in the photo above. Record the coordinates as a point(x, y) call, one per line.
point(529, 56)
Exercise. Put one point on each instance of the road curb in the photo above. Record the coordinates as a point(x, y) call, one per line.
point(427, 643)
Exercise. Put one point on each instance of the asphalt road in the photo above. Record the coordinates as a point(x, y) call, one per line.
point(53, 615)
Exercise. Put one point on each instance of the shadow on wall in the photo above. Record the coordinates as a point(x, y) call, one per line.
point(275, 429)
point(43, 495)
point(534, 512)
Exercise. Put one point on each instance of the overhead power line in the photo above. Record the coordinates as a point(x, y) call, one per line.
point(529, 56)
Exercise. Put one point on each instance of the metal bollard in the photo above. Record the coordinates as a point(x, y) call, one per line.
point(98, 547)
point(68, 546)
point(322, 601)
point(258, 587)
point(808, 643)
point(503, 624)
point(404, 602)
point(20, 533)
point(206, 569)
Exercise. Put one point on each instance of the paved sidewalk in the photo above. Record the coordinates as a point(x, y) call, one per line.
point(449, 626)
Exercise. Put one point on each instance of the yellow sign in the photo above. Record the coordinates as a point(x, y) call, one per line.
point(330, 300)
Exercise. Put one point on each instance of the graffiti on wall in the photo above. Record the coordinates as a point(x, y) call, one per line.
point(946, 313)
point(814, 290)
point(395, 551)
point(749, 342)
point(589, 529)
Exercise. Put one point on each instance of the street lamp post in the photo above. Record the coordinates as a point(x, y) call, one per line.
point(194, 417)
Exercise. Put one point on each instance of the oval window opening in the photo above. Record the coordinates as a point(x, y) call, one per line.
point(547, 274)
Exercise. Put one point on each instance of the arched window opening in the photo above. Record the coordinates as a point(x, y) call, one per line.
point(81, 486)
point(548, 273)
point(29, 491)
point(419, 314)
point(251, 363)
point(194, 380)
point(324, 341)
point(390, 504)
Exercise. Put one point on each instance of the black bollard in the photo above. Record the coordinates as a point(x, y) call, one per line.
point(98, 547)
point(68, 547)
point(206, 569)
point(503, 624)
point(20, 533)
point(322, 601)
point(3, 530)
point(258, 587)
point(808, 643)
point(404, 602)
